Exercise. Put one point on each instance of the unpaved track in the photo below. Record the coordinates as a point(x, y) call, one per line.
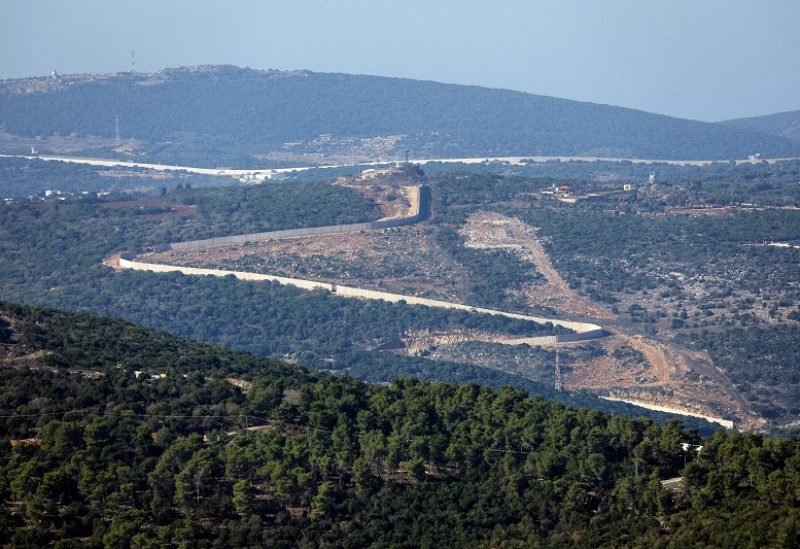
point(557, 286)
point(492, 230)
point(589, 329)
point(655, 355)
point(667, 369)
point(665, 376)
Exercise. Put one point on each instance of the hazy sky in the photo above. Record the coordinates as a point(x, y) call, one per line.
point(703, 59)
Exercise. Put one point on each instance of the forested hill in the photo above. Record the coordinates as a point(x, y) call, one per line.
point(221, 114)
point(781, 124)
point(113, 435)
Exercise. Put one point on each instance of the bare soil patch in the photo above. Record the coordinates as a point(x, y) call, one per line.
point(392, 193)
point(488, 230)
point(405, 261)
point(638, 368)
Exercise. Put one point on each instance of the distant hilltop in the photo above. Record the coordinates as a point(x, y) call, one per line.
point(782, 124)
point(58, 82)
point(219, 115)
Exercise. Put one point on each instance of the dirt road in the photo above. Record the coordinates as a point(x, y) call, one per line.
point(489, 230)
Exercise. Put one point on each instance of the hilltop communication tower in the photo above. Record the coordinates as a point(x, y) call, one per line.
point(133, 60)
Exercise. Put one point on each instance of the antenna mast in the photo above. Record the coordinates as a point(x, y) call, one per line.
point(133, 60)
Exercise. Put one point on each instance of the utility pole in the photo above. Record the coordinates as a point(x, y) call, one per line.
point(558, 385)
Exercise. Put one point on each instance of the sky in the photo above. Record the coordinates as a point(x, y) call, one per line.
point(703, 59)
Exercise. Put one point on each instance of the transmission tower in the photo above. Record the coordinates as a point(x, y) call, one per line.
point(133, 60)
point(116, 131)
point(558, 385)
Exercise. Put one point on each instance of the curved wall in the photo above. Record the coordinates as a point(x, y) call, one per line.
point(583, 330)
point(423, 213)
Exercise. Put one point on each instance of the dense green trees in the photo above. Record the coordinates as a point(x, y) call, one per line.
point(785, 124)
point(164, 461)
point(762, 361)
point(36, 266)
point(227, 211)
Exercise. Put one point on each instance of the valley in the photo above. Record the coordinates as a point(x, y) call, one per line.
point(493, 276)
point(411, 262)
point(517, 261)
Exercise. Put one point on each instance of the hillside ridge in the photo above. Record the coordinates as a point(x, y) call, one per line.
point(115, 435)
point(224, 115)
point(782, 124)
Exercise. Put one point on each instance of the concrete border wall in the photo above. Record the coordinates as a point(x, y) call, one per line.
point(423, 212)
point(584, 330)
point(583, 336)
